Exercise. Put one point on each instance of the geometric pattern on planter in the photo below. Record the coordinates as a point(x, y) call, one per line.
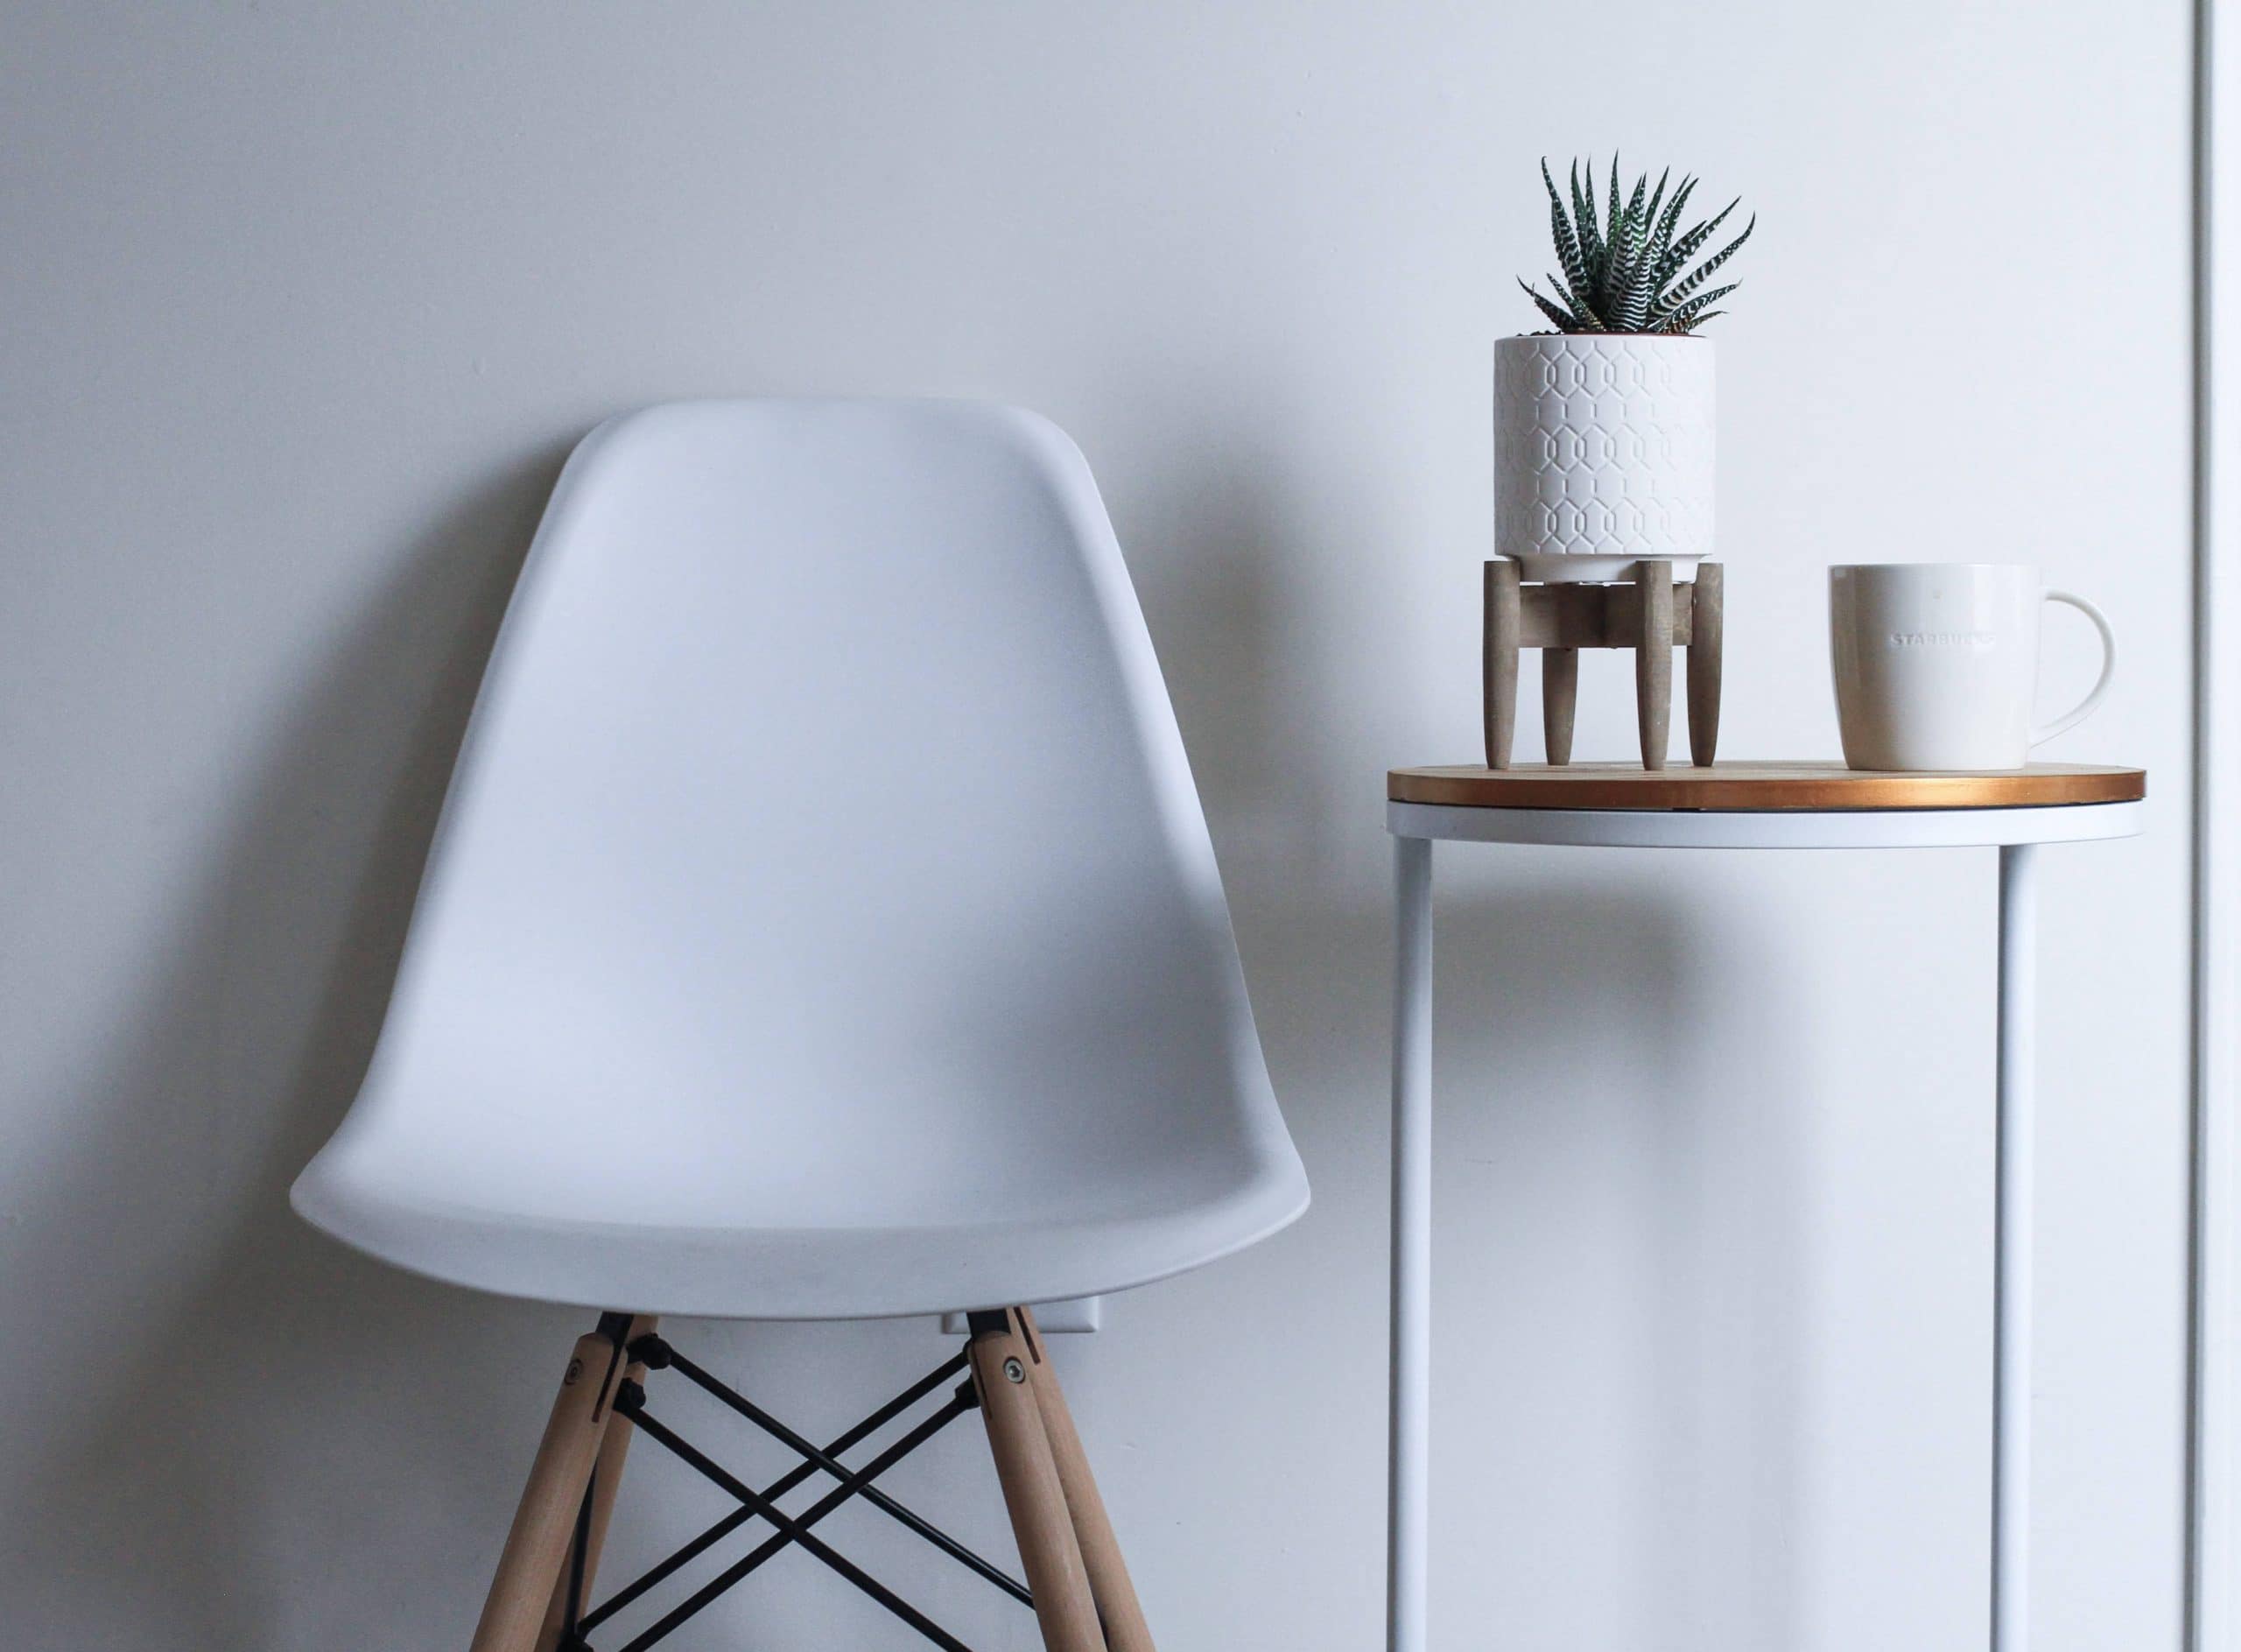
point(1603, 446)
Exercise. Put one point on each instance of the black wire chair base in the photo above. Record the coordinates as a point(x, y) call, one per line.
point(579, 1621)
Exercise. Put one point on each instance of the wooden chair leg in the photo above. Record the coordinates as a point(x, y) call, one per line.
point(606, 1480)
point(1065, 1606)
point(1653, 662)
point(544, 1525)
point(1706, 633)
point(1109, 1583)
point(1559, 702)
point(1498, 662)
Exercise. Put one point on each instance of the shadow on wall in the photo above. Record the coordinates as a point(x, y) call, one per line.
point(1620, 1289)
point(1622, 1292)
point(189, 1391)
point(1628, 1255)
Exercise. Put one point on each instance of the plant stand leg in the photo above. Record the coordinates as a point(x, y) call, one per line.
point(537, 1548)
point(1559, 701)
point(1115, 1593)
point(1499, 662)
point(1653, 662)
point(606, 1480)
point(1064, 1604)
point(1706, 636)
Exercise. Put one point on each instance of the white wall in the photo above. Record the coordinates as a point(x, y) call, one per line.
point(304, 303)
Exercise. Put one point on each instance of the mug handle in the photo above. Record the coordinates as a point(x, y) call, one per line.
point(2083, 709)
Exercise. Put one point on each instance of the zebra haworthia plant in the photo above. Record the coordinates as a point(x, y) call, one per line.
point(1622, 265)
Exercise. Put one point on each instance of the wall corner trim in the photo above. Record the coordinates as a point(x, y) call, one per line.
point(2213, 1576)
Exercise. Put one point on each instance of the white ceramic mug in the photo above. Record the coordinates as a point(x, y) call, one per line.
point(1937, 662)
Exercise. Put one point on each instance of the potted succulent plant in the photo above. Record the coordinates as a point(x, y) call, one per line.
point(1602, 428)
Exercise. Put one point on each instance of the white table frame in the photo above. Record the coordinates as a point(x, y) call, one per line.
point(2015, 832)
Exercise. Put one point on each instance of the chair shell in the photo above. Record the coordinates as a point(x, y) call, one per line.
point(821, 921)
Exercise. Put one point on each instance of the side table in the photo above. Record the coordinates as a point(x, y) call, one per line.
point(1731, 806)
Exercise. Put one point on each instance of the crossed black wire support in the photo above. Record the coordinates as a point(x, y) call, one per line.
point(787, 1530)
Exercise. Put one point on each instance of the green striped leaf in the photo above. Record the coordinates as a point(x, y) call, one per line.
point(1705, 270)
point(1560, 226)
point(1611, 206)
point(1685, 248)
point(1649, 213)
point(1627, 305)
point(1566, 322)
point(1592, 317)
point(1661, 238)
point(1591, 240)
point(1695, 310)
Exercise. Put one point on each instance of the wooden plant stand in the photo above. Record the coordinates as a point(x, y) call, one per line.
point(1652, 615)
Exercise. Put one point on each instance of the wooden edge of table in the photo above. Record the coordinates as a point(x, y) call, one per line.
point(1753, 786)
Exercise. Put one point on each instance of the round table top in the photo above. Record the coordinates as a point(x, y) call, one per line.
point(1756, 786)
point(1764, 805)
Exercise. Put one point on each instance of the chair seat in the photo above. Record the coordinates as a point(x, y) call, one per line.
point(651, 1243)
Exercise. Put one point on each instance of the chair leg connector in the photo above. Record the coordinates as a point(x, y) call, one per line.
point(1064, 1540)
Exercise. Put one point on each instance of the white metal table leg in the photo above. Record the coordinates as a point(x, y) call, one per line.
point(1409, 1445)
point(2018, 978)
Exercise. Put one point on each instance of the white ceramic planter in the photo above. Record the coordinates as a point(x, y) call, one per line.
point(1603, 454)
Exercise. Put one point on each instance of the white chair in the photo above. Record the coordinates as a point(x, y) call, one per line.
point(821, 925)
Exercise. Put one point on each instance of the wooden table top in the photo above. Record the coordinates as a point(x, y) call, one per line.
point(1761, 786)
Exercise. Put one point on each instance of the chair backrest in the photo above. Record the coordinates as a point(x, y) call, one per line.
point(822, 853)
